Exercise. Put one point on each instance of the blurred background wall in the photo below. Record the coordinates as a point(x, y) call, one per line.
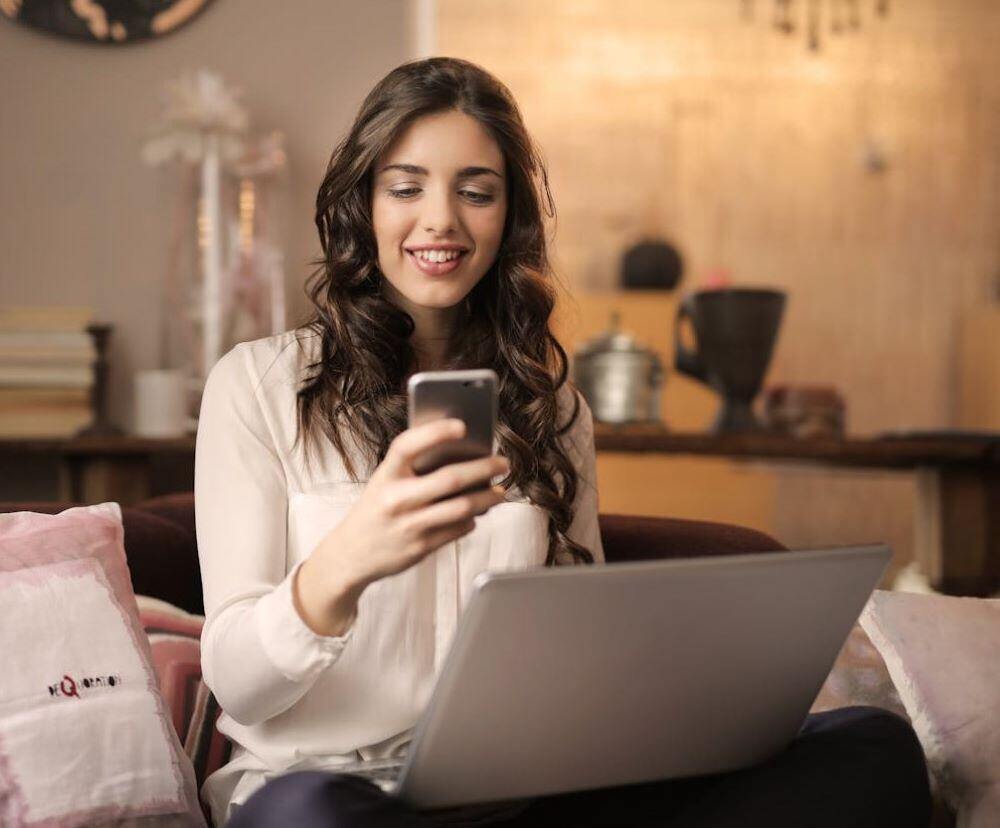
point(864, 178)
point(87, 223)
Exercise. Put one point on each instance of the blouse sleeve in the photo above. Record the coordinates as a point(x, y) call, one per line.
point(258, 655)
point(584, 529)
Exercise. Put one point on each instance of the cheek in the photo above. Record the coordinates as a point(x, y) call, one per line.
point(390, 228)
point(489, 227)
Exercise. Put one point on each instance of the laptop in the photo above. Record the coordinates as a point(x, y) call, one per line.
point(571, 678)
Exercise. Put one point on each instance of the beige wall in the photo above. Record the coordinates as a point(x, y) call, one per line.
point(85, 222)
point(746, 149)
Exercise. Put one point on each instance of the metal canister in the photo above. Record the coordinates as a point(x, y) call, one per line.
point(619, 378)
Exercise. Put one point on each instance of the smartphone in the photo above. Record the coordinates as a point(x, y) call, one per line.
point(470, 396)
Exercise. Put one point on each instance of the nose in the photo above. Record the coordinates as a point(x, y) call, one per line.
point(438, 215)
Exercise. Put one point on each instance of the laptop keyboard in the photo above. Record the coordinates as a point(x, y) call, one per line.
point(381, 772)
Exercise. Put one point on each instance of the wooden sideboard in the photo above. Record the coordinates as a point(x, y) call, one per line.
point(958, 510)
point(98, 469)
point(958, 485)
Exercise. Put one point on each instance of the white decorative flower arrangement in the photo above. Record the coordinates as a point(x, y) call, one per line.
point(198, 105)
point(225, 274)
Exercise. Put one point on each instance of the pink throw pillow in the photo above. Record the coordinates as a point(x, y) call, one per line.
point(943, 654)
point(85, 736)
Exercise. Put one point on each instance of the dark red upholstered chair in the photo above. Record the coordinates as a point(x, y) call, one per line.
point(162, 547)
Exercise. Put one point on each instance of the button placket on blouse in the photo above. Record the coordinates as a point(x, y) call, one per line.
point(446, 610)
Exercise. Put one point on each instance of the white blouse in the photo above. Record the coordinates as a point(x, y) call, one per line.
point(292, 699)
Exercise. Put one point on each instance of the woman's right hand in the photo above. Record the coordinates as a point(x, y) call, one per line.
point(400, 519)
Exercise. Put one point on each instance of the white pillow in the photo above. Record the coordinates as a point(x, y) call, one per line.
point(85, 736)
point(944, 657)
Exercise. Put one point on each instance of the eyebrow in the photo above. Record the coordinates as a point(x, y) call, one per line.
point(465, 172)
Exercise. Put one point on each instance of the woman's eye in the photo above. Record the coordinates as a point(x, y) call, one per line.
point(478, 198)
point(404, 193)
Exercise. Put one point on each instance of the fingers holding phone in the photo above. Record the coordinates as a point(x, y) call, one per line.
point(432, 484)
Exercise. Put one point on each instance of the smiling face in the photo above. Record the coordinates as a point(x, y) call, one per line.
point(439, 200)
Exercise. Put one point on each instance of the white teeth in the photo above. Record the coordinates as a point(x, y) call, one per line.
point(437, 255)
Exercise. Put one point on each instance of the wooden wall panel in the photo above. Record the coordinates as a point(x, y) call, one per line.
point(749, 152)
point(978, 403)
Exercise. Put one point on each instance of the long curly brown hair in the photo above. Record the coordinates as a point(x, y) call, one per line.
point(356, 391)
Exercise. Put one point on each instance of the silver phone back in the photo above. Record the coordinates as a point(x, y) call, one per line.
point(582, 677)
point(470, 396)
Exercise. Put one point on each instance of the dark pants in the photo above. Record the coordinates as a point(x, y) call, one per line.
point(859, 766)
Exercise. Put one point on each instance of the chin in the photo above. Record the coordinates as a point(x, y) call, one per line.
point(439, 297)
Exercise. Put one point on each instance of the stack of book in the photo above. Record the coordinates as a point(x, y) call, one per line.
point(46, 371)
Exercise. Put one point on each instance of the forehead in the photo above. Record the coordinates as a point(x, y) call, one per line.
point(444, 143)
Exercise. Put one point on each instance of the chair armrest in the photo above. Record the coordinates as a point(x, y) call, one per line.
point(635, 538)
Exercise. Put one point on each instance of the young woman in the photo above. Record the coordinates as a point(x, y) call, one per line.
point(334, 576)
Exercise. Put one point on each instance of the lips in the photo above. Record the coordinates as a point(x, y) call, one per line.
point(435, 268)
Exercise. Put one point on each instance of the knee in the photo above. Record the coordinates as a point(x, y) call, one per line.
point(880, 754)
point(885, 729)
point(889, 744)
point(304, 798)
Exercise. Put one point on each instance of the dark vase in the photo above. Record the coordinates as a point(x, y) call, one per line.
point(735, 330)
